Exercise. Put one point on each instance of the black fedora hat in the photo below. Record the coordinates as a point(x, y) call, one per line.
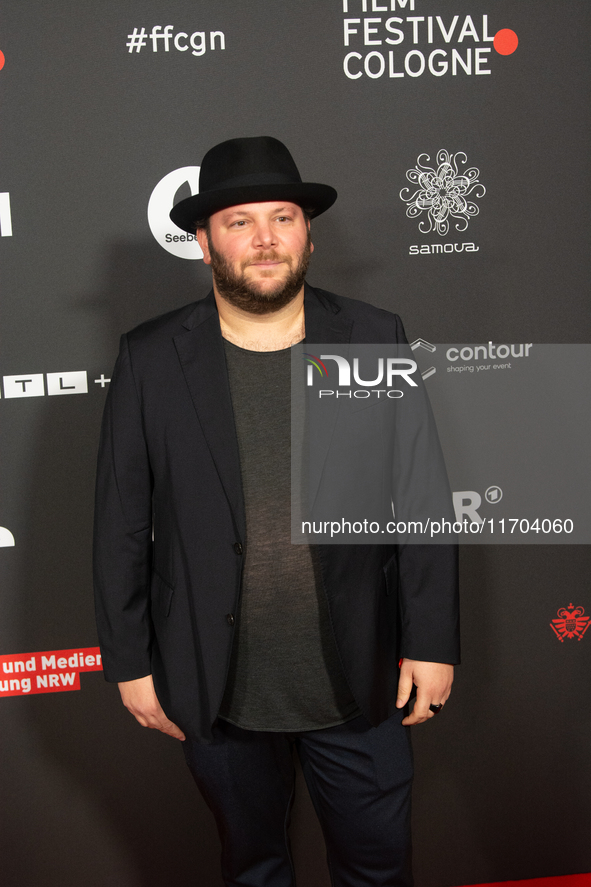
point(248, 171)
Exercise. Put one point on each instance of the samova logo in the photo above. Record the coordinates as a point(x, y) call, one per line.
point(168, 235)
point(385, 371)
point(441, 192)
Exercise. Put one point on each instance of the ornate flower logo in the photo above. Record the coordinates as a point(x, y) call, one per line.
point(442, 192)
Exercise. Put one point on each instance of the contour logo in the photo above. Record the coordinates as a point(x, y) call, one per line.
point(173, 239)
point(422, 343)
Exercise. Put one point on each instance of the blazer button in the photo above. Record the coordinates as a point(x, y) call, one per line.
point(238, 547)
point(230, 619)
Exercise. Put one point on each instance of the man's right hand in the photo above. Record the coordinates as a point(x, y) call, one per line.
point(139, 697)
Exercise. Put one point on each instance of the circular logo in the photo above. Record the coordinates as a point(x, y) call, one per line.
point(493, 495)
point(505, 41)
point(170, 236)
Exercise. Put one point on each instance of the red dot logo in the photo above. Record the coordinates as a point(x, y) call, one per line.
point(505, 41)
point(2, 59)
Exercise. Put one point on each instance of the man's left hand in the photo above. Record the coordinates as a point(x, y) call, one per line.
point(433, 681)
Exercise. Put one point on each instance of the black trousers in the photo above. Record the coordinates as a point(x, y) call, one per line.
point(359, 778)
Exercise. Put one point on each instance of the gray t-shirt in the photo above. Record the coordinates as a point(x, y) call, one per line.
point(285, 673)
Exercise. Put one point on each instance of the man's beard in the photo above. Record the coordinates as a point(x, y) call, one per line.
point(242, 293)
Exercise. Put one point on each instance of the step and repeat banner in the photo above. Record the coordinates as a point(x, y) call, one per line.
point(456, 133)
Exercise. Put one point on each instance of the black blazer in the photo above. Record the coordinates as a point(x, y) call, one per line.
point(170, 528)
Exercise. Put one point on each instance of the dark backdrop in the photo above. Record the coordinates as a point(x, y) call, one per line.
point(88, 130)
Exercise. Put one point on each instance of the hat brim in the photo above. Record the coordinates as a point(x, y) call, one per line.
point(312, 197)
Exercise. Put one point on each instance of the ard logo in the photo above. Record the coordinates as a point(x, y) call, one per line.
point(571, 623)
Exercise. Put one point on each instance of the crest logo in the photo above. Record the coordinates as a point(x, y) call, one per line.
point(571, 623)
point(442, 192)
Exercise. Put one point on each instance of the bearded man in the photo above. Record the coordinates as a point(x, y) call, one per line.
point(218, 630)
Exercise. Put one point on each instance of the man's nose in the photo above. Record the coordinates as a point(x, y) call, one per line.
point(264, 236)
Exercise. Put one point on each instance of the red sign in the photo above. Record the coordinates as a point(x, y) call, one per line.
point(53, 671)
point(571, 623)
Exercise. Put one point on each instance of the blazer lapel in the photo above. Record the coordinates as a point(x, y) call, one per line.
point(201, 353)
point(326, 324)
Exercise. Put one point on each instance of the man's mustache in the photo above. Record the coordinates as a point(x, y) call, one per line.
point(270, 256)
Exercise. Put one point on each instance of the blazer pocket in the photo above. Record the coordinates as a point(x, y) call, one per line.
point(162, 593)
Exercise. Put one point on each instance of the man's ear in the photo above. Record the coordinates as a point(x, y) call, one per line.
point(201, 235)
point(311, 244)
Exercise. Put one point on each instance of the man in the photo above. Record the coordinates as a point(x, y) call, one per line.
point(220, 632)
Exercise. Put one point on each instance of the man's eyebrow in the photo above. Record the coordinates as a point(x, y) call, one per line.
point(235, 212)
